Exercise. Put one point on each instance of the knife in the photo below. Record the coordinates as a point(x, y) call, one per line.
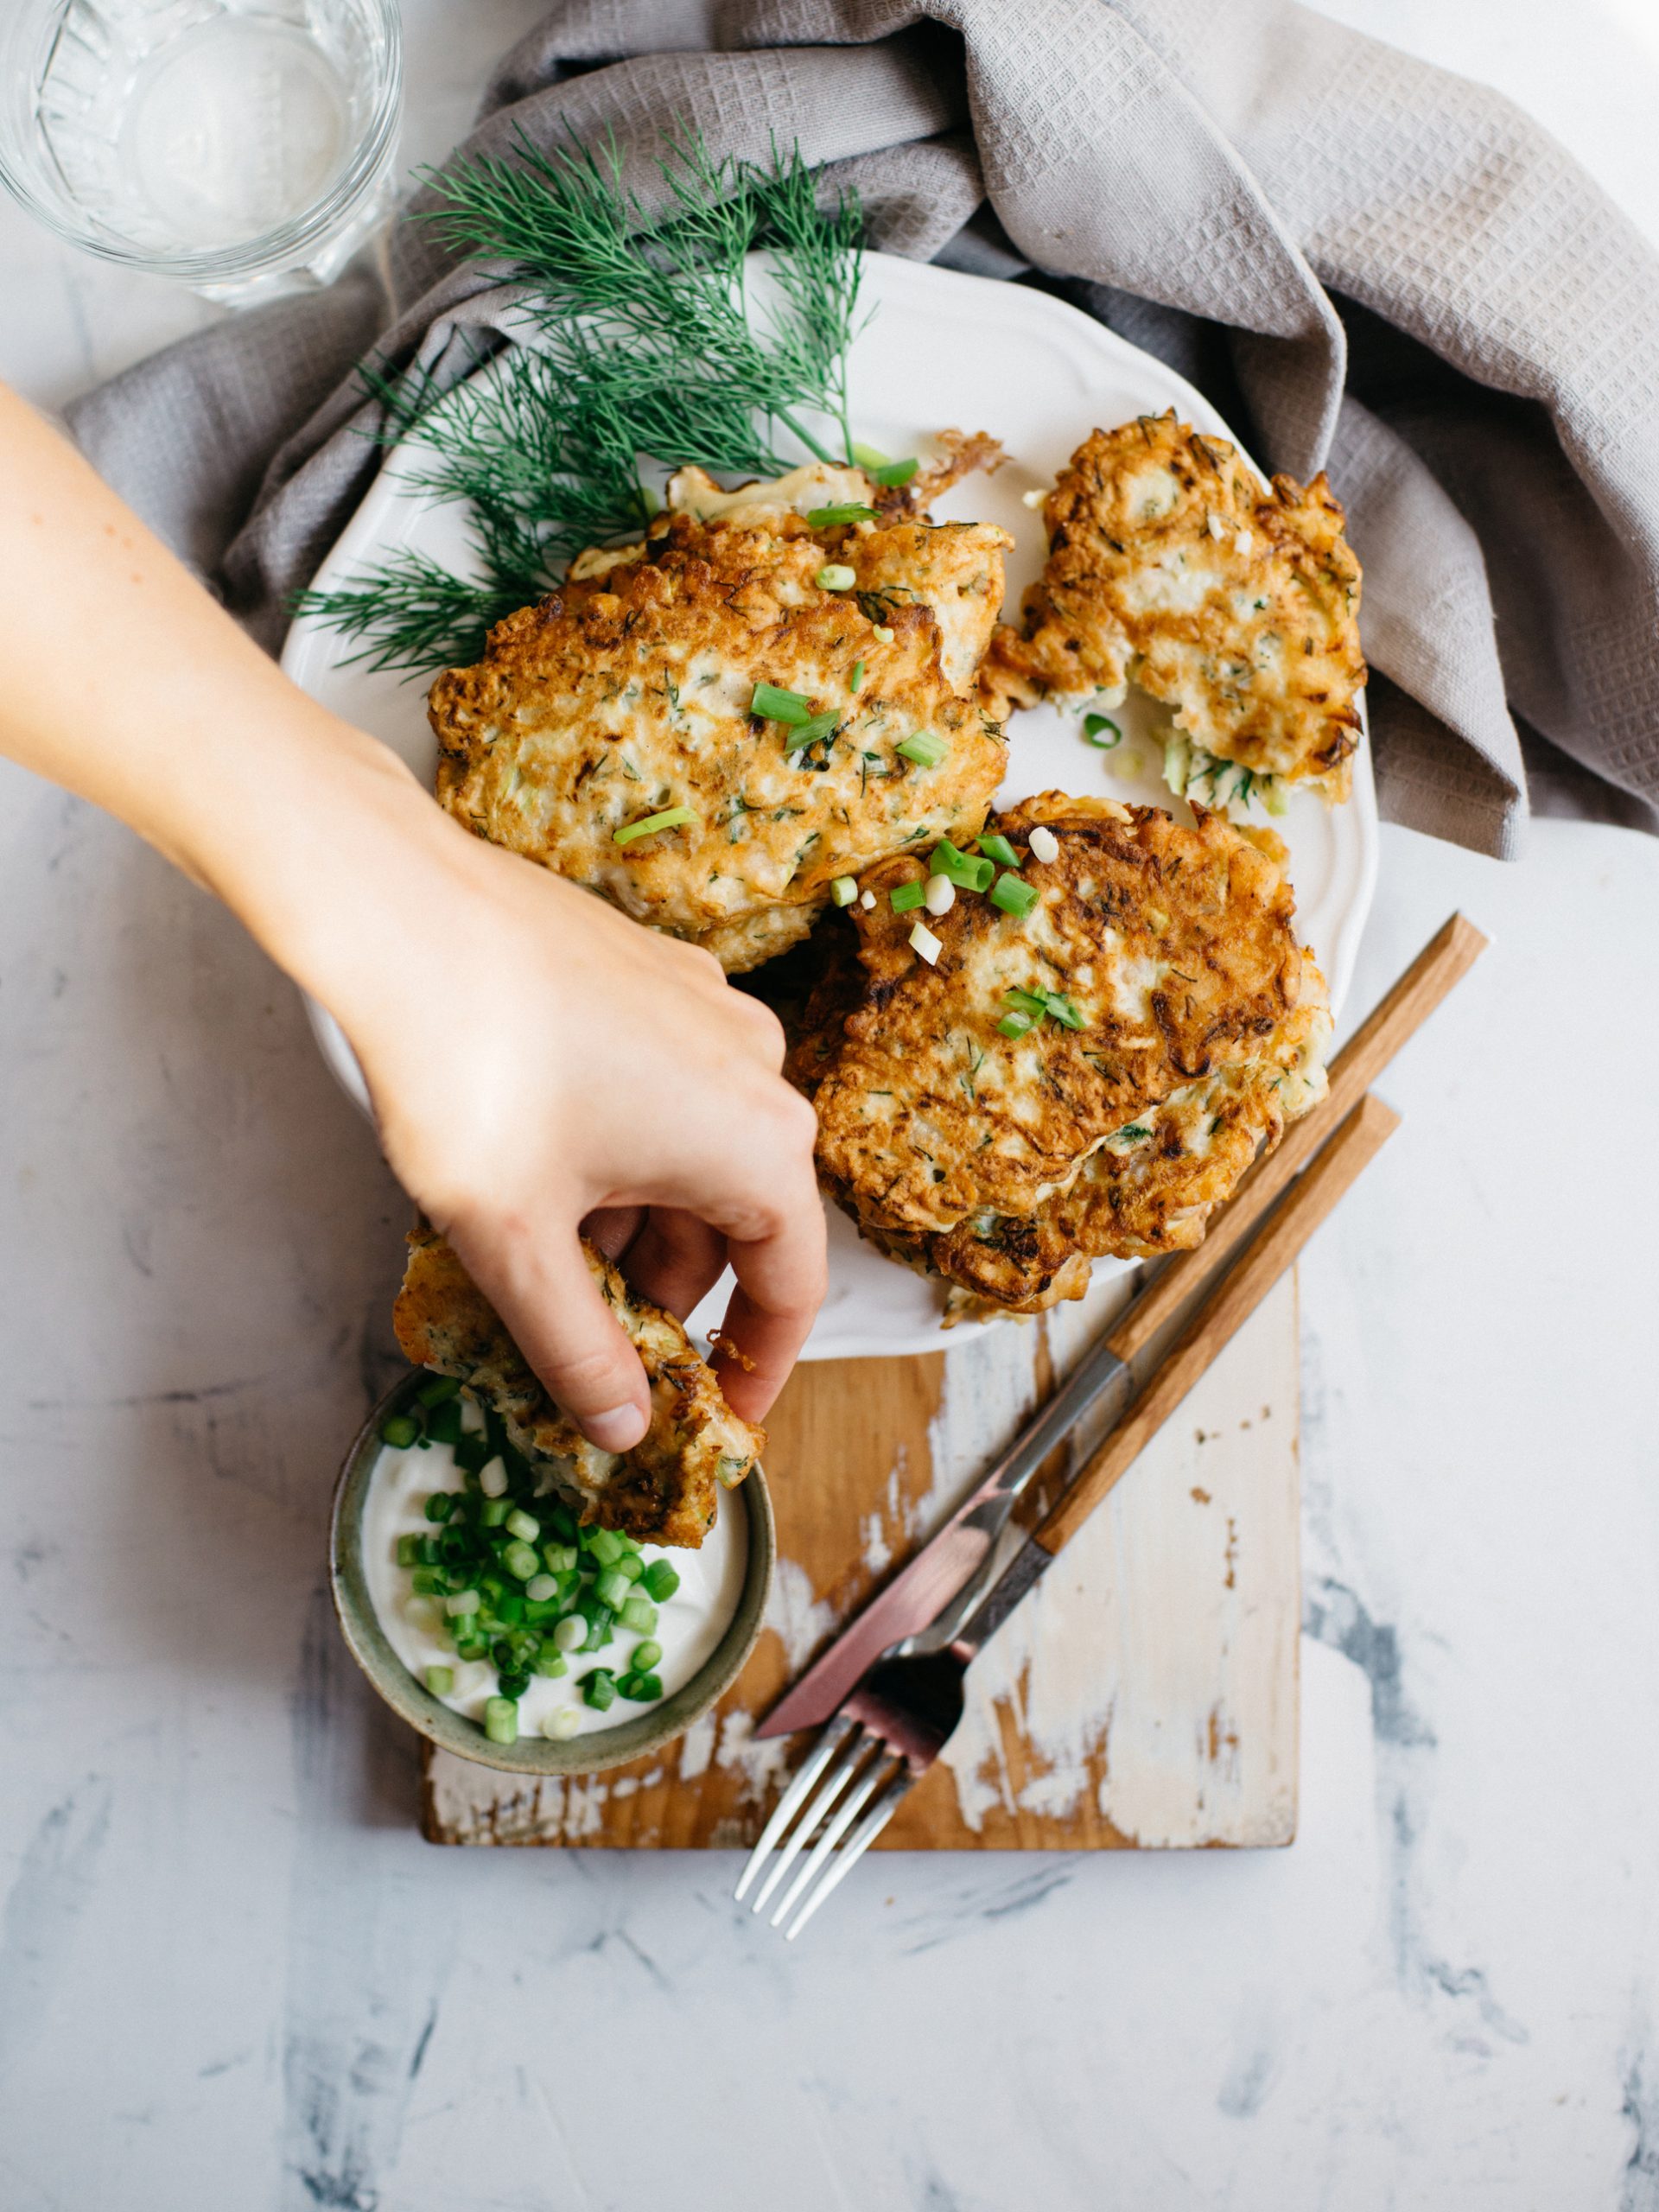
point(956, 1562)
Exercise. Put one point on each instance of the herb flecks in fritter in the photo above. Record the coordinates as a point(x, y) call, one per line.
point(1163, 1002)
point(665, 1490)
point(1170, 566)
point(648, 685)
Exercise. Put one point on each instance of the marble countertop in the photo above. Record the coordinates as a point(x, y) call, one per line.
point(231, 1973)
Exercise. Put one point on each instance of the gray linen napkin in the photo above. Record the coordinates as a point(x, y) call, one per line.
point(1371, 266)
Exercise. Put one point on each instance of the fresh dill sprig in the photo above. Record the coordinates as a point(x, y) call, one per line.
point(646, 347)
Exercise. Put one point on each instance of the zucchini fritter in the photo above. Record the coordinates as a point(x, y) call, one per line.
point(1006, 1165)
point(663, 1491)
point(1238, 608)
point(628, 692)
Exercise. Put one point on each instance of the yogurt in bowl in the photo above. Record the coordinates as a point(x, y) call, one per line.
point(705, 1627)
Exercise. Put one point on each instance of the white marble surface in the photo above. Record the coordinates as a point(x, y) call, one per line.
point(230, 1975)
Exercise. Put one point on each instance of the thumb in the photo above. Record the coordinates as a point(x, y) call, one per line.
point(545, 1291)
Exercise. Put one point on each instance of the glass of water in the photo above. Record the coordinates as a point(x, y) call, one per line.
point(244, 146)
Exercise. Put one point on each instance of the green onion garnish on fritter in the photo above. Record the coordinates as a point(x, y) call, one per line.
point(773, 704)
point(923, 748)
point(671, 817)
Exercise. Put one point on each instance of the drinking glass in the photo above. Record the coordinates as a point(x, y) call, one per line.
point(243, 146)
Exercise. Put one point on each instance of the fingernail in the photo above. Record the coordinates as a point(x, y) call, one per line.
point(618, 1429)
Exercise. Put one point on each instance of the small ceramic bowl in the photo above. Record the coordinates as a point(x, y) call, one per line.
point(587, 1754)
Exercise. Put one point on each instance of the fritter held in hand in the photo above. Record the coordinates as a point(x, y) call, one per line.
point(1169, 565)
point(632, 692)
point(1186, 1027)
point(663, 1491)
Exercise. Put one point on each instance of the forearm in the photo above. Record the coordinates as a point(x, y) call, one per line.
point(128, 683)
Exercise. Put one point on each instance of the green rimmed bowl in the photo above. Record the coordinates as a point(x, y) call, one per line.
point(592, 1753)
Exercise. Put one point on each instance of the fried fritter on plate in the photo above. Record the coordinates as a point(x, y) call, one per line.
point(1189, 1027)
point(665, 1491)
point(1169, 565)
point(629, 692)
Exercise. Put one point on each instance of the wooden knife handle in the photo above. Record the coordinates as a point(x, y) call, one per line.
point(1223, 1313)
point(1446, 957)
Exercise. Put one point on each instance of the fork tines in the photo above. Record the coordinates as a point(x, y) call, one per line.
point(865, 1777)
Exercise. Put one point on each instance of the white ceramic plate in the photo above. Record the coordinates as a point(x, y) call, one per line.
point(941, 350)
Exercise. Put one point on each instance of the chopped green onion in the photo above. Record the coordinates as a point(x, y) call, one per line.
point(571, 1633)
point(551, 1664)
point(561, 1725)
point(493, 1512)
point(832, 517)
point(561, 1558)
point(1093, 725)
point(541, 1587)
point(510, 1608)
point(641, 1615)
point(999, 850)
point(661, 1580)
point(1013, 896)
point(646, 1655)
point(960, 868)
point(1032, 1003)
point(1015, 1024)
point(879, 630)
point(428, 1582)
point(809, 733)
point(492, 1478)
point(441, 1504)
point(462, 1603)
point(408, 1551)
point(868, 458)
point(647, 1688)
point(440, 1681)
point(600, 1689)
point(606, 1546)
point(520, 1560)
point(501, 1721)
point(923, 748)
point(895, 473)
point(632, 1566)
point(843, 890)
point(857, 676)
point(773, 704)
point(671, 817)
point(523, 1525)
point(904, 896)
point(443, 1422)
point(399, 1430)
point(563, 1523)
point(601, 1625)
point(835, 575)
point(1063, 1011)
point(440, 1387)
point(613, 1589)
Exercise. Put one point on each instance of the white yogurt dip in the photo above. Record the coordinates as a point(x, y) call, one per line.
point(689, 1624)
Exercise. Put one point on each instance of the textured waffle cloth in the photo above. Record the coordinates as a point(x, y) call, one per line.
point(1370, 265)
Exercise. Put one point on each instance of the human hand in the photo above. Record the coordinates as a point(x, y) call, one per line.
point(537, 1058)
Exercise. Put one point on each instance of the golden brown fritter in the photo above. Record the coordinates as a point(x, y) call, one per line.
point(628, 692)
point(1172, 949)
point(1238, 608)
point(665, 1491)
point(1151, 1187)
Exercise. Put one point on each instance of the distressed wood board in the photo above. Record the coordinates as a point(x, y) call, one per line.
point(1144, 1697)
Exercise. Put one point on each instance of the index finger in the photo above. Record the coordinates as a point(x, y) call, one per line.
point(781, 1279)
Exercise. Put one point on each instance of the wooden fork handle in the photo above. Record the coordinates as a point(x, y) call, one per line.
point(1448, 955)
point(1223, 1313)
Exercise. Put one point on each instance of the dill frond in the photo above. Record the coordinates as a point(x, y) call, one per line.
point(647, 347)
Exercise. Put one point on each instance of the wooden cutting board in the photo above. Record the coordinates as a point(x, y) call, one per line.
point(1146, 1696)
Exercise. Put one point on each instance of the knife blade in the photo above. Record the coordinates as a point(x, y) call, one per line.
point(958, 1552)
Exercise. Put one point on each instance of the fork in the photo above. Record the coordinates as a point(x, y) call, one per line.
point(893, 1724)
